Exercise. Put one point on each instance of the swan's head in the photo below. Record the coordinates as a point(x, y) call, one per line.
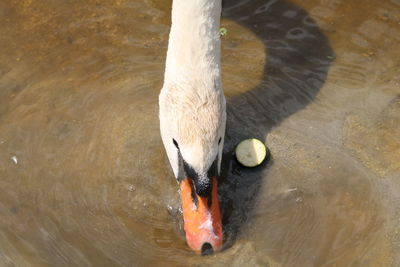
point(192, 122)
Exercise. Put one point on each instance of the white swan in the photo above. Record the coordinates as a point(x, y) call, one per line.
point(193, 116)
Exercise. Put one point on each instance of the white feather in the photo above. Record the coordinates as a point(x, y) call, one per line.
point(192, 103)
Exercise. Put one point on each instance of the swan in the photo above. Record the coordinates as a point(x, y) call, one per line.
point(192, 112)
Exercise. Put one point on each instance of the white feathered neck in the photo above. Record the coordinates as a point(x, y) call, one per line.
point(194, 43)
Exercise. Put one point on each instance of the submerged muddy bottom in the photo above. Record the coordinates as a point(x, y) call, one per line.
point(84, 180)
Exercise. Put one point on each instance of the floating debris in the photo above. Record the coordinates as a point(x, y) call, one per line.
point(299, 200)
point(223, 31)
point(170, 208)
point(131, 188)
point(14, 159)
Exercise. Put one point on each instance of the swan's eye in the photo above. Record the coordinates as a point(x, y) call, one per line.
point(219, 141)
point(175, 143)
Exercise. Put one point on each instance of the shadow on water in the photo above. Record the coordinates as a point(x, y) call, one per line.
point(298, 56)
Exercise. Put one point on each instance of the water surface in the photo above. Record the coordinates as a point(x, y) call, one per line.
point(84, 180)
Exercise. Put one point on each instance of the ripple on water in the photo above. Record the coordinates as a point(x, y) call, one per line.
point(317, 80)
point(330, 215)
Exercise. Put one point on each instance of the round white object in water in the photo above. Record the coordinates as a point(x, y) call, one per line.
point(251, 152)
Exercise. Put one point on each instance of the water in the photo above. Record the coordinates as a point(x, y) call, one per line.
point(83, 175)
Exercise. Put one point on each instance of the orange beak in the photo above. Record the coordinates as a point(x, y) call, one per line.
point(202, 222)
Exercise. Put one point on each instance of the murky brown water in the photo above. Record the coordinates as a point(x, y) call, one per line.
point(84, 180)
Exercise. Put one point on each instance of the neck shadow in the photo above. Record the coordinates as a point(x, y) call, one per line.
point(297, 63)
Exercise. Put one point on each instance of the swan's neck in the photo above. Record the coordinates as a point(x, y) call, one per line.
point(194, 44)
